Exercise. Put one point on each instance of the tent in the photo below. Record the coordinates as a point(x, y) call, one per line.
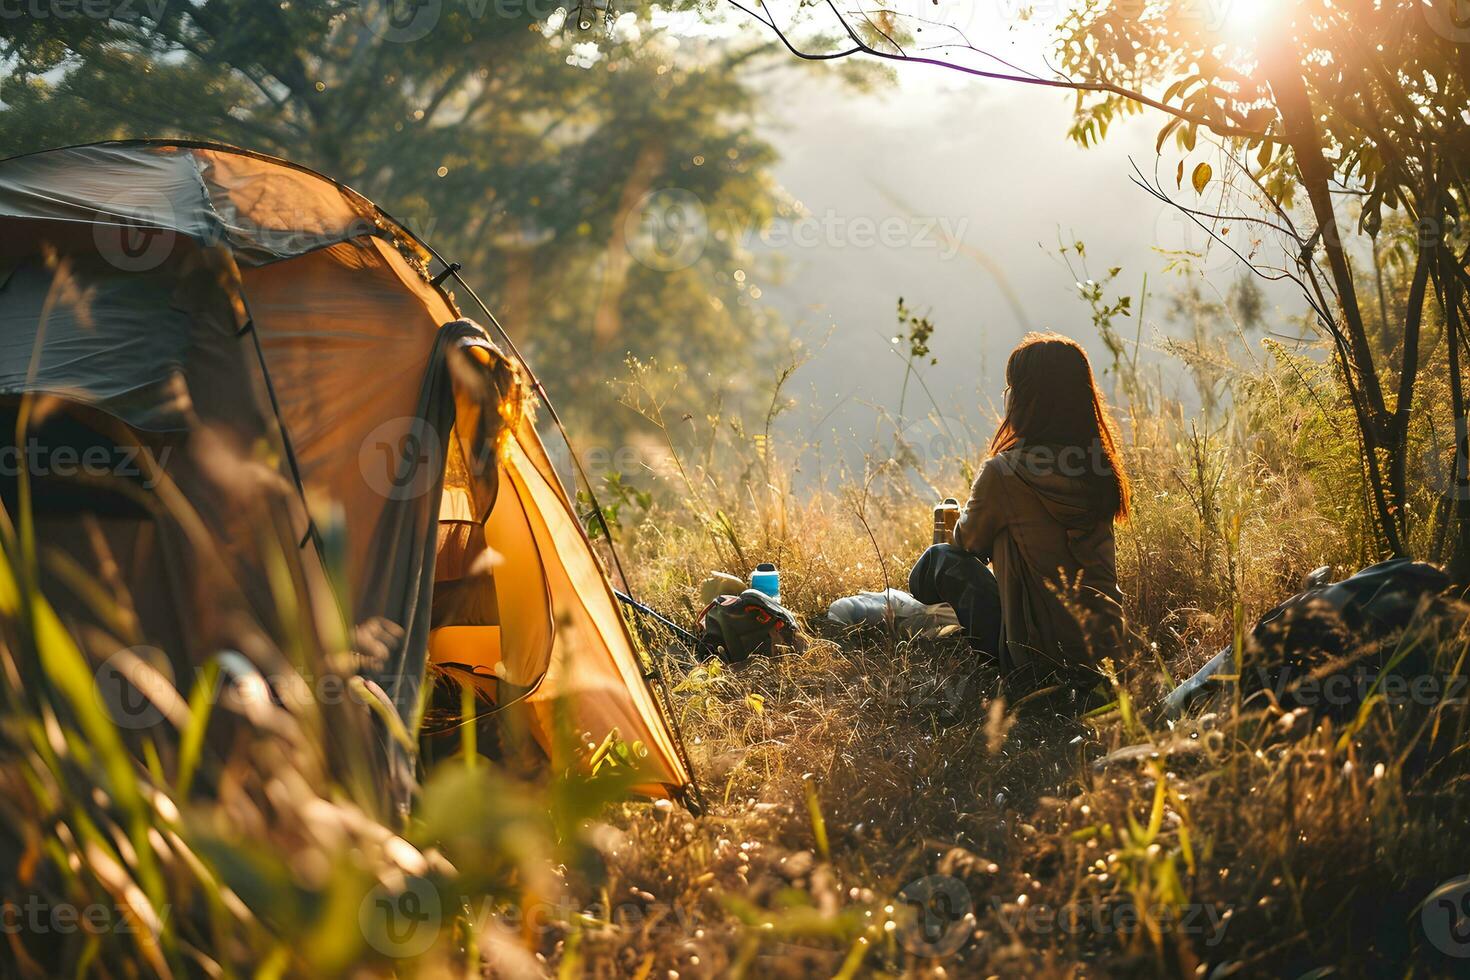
point(253, 328)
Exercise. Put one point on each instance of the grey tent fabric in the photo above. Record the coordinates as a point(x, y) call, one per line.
point(116, 183)
point(123, 349)
point(208, 196)
point(162, 353)
point(404, 541)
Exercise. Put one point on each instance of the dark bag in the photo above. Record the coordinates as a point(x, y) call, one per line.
point(1365, 608)
point(736, 627)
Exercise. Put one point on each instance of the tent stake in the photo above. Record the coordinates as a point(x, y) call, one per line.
point(668, 623)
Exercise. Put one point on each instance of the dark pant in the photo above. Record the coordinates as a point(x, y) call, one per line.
point(944, 573)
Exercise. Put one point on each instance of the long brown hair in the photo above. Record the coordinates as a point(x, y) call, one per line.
point(1054, 401)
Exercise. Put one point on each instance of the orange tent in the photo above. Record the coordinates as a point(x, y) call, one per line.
point(251, 323)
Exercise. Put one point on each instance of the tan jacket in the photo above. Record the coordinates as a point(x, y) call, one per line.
point(1052, 552)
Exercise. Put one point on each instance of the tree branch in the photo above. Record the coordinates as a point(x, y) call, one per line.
point(862, 47)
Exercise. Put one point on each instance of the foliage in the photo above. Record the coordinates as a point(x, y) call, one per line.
point(1103, 311)
point(599, 184)
point(1302, 101)
point(1385, 78)
point(617, 494)
point(917, 331)
point(243, 830)
point(1307, 98)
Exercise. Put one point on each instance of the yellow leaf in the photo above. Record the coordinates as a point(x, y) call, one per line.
point(1201, 177)
point(756, 702)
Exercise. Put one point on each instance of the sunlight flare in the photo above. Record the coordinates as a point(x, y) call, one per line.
point(1242, 19)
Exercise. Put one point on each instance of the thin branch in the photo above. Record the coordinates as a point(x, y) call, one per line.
point(862, 47)
point(1161, 195)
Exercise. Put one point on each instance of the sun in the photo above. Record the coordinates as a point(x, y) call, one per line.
point(1243, 18)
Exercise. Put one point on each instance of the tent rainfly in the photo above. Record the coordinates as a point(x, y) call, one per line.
point(253, 327)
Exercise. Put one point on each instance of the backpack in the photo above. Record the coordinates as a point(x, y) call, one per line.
point(1306, 630)
point(735, 627)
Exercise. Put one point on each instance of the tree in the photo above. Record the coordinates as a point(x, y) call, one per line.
point(539, 149)
point(1310, 103)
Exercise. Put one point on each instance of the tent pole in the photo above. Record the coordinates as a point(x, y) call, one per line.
point(312, 533)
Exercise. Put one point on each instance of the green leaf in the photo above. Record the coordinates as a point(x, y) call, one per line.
point(201, 705)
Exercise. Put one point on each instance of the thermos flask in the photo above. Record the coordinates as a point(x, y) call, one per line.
point(766, 579)
point(946, 516)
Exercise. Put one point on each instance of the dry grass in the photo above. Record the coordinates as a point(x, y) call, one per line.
point(1235, 844)
point(875, 806)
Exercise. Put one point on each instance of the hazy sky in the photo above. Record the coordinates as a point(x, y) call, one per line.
point(881, 174)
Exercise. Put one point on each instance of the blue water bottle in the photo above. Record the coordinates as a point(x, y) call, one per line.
point(766, 579)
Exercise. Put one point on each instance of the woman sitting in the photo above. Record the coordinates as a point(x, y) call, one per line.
point(1041, 513)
